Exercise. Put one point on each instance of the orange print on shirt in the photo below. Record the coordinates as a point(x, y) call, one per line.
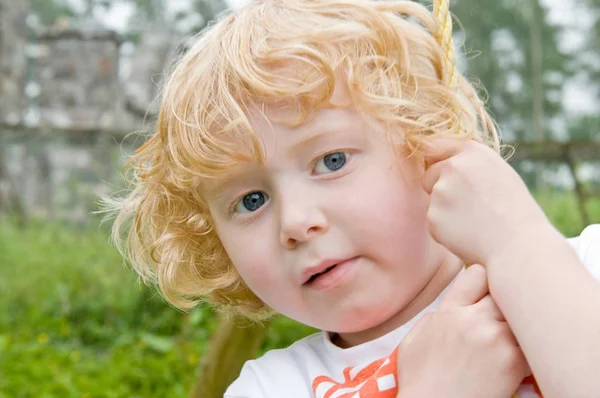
point(376, 380)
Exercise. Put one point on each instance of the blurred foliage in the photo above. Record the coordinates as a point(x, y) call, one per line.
point(75, 323)
point(588, 58)
point(500, 31)
point(585, 128)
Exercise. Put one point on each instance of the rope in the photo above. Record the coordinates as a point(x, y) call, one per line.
point(441, 11)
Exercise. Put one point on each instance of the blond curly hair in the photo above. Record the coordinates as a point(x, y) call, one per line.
point(384, 51)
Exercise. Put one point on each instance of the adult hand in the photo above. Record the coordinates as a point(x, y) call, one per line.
point(464, 349)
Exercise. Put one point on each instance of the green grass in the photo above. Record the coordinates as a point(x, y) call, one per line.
point(562, 209)
point(75, 323)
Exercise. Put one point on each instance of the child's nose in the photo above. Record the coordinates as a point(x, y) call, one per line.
point(300, 221)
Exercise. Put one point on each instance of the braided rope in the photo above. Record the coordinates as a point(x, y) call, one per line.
point(441, 11)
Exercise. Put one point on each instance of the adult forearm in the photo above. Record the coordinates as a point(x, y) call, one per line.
point(553, 307)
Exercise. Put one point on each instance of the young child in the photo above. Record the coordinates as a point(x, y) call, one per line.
point(309, 160)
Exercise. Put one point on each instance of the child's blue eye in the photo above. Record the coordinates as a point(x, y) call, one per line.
point(332, 162)
point(251, 202)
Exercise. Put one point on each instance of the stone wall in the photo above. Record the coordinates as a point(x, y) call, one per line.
point(78, 79)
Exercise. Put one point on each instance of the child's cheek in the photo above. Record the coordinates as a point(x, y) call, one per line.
point(256, 262)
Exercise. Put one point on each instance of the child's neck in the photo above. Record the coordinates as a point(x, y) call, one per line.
point(445, 274)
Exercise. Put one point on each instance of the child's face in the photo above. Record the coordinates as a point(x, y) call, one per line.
point(332, 191)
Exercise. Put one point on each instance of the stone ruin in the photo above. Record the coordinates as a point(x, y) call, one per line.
point(77, 75)
point(69, 79)
point(70, 76)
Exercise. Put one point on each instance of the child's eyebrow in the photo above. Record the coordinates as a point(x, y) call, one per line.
point(314, 136)
point(214, 187)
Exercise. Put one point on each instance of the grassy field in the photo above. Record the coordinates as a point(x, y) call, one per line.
point(75, 323)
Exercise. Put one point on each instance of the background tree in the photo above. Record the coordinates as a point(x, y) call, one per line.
point(514, 52)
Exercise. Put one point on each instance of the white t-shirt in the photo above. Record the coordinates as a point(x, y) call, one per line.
point(315, 367)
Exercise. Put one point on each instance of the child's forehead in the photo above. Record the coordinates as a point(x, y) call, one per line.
point(288, 110)
point(273, 123)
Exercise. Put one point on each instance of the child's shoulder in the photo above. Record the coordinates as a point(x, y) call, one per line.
point(280, 370)
point(587, 246)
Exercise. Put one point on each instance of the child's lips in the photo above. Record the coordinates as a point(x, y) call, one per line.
point(321, 267)
point(328, 273)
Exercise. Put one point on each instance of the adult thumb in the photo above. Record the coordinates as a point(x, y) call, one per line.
point(441, 149)
point(416, 329)
point(468, 288)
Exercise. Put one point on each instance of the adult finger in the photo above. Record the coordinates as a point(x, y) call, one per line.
point(441, 149)
point(489, 306)
point(468, 288)
point(432, 176)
